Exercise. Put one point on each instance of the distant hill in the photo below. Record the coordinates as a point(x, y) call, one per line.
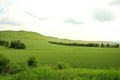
point(26, 35)
point(114, 42)
point(14, 35)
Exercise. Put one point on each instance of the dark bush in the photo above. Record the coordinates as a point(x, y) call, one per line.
point(62, 65)
point(15, 68)
point(32, 62)
point(4, 64)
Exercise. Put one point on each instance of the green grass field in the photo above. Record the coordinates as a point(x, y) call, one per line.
point(92, 63)
point(50, 54)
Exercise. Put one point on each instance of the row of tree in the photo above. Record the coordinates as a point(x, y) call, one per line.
point(102, 45)
point(17, 44)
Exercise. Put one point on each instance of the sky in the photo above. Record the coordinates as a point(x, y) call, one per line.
point(93, 20)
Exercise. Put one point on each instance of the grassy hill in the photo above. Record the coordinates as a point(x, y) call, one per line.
point(50, 54)
point(23, 35)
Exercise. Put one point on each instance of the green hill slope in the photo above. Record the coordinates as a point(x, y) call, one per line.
point(46, 53)
point(23, 35)
point(31, 39)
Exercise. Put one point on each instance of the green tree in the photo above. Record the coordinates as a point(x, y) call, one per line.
point(12, 44)
point(6, 44)
point(117, 45)
point(17, 45)
point(102, 45)
point(112, 46)
point(108, 45)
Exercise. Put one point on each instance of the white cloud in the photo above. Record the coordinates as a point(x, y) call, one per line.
point(49, 18)
point(115, 2)
point(103, 15)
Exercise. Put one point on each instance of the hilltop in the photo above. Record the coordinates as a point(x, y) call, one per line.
point(23, 35)
point(26, 35)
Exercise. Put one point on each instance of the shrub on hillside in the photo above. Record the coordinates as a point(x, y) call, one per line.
point(32, 62)
point(15, 68)
point(62, 65)
point(4, 64)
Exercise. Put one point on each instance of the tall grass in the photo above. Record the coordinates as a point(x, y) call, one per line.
point(47, 73)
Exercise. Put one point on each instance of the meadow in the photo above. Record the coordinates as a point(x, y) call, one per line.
point(46, 53)
point(89, 61)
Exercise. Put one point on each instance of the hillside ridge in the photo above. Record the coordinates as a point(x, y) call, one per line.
point(9, 35)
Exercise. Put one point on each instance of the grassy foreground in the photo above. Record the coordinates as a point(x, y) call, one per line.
point(47, 73)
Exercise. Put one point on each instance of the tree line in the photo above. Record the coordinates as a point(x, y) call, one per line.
point(102, 45)
point(16, 44)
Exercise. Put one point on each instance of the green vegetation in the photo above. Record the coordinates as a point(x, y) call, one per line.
point(47, 73)
point(7, 68)
point(14, 44)
point(58, 62)
point(17, 45)
point(49, 54)
point(4, 62)
point(32, 62)
point(4, 43)
point(102, 45)
point(63, 65)
point(63, 72)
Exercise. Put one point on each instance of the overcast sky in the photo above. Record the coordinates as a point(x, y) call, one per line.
point(71, 19)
